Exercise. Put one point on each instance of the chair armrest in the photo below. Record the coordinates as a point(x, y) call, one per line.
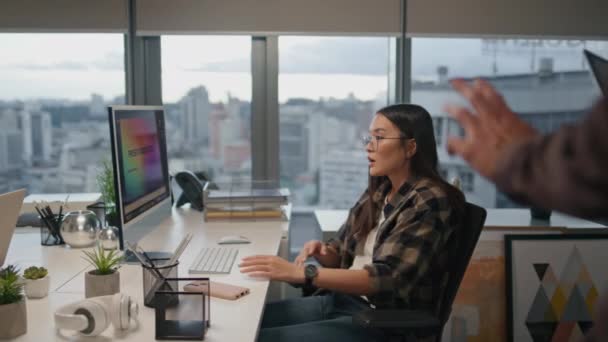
point(397, 319)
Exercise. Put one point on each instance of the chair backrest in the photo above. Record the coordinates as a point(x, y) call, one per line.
point(461, 249)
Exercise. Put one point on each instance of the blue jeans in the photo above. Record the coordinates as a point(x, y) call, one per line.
point(315, 318)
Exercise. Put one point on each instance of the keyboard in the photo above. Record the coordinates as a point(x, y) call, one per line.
point(214, 260)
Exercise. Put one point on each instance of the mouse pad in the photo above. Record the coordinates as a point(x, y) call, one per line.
point(219, 290)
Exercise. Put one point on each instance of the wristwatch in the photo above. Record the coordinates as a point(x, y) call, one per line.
point(310, 273)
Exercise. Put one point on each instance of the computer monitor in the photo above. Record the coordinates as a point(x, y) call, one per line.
point(599, 66)
point(141, 176)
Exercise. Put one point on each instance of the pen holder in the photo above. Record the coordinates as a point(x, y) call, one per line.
point(50, 234)
point(189, 320)
point(154, 279)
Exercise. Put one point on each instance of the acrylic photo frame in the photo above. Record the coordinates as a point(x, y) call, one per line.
point(553, 283)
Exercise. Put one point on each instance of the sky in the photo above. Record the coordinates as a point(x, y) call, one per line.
point(73, 66)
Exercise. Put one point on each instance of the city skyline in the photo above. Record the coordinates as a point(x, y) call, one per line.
point(319, 139)
point(222, 138)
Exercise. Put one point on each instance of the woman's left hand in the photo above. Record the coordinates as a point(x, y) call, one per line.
point(272, 267)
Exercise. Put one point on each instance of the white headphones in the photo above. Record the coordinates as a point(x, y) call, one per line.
point(92, 316)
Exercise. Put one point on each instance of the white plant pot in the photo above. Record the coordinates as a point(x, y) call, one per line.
point(101, 285)
point(37, 288)
point(14, 319)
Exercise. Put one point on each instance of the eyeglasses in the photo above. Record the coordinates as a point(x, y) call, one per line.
point(375, 140)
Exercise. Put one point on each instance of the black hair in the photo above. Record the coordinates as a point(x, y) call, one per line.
point(414, 122)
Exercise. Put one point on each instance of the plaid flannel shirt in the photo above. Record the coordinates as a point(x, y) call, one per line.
point(410, 255)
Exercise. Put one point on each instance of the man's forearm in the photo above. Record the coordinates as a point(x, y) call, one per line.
point(564, 170)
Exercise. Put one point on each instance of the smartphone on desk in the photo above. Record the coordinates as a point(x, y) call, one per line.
point(218, 290)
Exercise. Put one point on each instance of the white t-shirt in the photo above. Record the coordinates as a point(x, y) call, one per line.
point(368, 249)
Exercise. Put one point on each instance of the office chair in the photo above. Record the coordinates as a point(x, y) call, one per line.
point(409, 325)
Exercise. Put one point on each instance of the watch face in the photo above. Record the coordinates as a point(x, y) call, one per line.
point(310, 271)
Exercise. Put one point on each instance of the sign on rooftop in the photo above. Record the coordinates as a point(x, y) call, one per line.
point(556, 48)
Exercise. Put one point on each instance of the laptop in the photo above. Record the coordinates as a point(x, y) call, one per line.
point(599, 66)
point(10, 206)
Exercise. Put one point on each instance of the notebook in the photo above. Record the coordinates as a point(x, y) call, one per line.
point(10, 203)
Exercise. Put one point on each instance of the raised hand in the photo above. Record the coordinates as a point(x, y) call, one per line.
point(491, 128)
point(311, 248)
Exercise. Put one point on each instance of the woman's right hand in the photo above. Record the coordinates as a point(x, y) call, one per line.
point(311, 248)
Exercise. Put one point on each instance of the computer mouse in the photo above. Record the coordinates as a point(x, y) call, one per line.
point(233, 239)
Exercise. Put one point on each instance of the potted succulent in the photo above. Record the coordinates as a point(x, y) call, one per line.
point(37, 282)
point(105, 278)
point(105, 181)
point(12, 304)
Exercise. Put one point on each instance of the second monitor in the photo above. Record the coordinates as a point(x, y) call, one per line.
point(141, 176)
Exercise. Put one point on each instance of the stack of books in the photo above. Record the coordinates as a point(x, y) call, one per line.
point(245, 204)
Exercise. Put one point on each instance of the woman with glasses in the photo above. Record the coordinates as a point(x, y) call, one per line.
point(391, 251)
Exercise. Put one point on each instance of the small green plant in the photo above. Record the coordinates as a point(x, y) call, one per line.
point(34, 273)
point(104, 262)
point(105, 181)
point(11, 288)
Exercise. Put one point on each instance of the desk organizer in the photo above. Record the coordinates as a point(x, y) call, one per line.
point(155, 278)
point(252, 200)
point(181, 315)
point(50, 234)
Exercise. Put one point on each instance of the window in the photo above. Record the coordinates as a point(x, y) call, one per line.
point(467, 180)
point(547, 82)
point(54, 89)
point(207, 95)
point(444, 174)
point(329, 90)
point(438, 130)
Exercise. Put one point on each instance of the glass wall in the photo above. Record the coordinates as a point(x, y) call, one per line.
point(206, 85)
point(329, 89)
point(54, 89)
point(546, 82)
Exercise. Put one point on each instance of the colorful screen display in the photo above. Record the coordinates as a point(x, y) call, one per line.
point(142, 166)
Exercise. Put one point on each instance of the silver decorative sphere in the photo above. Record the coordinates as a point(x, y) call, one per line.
point(79, 228)
point(107, 237)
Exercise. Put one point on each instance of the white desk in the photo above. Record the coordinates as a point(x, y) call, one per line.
point(230, 320)
point(330, 221)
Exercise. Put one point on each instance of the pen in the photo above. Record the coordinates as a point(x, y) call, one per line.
point(49, 212)
point(145, 256)
point(43, 217)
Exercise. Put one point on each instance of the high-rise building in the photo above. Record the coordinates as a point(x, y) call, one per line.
point(339, 134)
point(299, 140)
point(11, 146)
point(11, 152)
point(42, 137)
point(37, 136)
point(195, 108)
point(343, 177)
point(97, 106)
point(25, 124)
